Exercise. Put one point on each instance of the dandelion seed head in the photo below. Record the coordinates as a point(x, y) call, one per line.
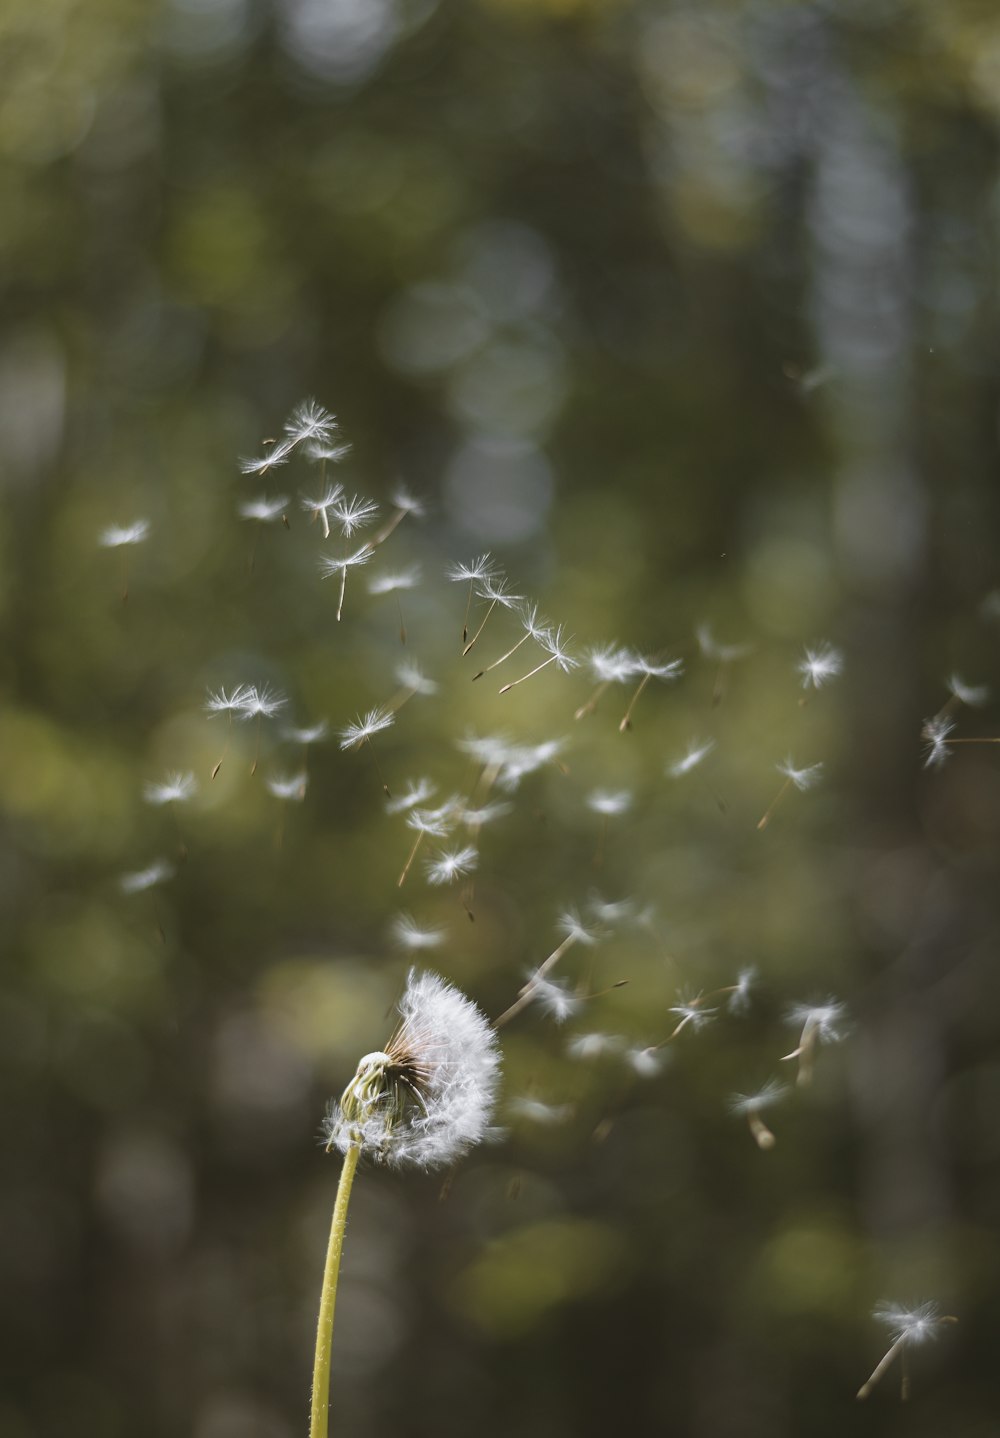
point(331, 564)
point(646, 1062)
point(720, 653)
point(972, 695)
point(353, 514)
point(739, 1000)
point(261, 702)
point(154, 874)
point(290, 787)
point(310, 421)
point(594, 1045)
point(555, 647)
point(555, 998)
point(116, 535)
point(391, 583)
point(365, 727)
point(430, 1095)
point(825, 1021)
point(533, 1110)
point(910, 1325)
point(609, 801)
point(260, 464)
point(611, 663)
point(820, 665)
point(309, 734)
point(401, 498)
point(697, 750)
point(219, 702)
point(417, 791)
point(451, 865)
point(935, 734)
point(484, 566)
point(262, 509)
point(409, 675)
point(768, 1094)
point(408, 934)
point(175, 788)
point(331, 494)
point(802, 778)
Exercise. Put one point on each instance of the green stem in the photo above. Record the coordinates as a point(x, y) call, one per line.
point(324, 1331)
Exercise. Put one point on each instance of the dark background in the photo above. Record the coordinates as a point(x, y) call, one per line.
point(688, 313)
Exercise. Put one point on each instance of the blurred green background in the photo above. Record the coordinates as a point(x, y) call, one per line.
point(688, 313)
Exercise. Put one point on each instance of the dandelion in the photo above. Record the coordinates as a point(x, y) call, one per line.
point(417, 791)
point(219, 702)
point(408, 934)
point(645, 1062)
point(139, 880)
point(608, 803)
point(353, 514)
point(608, 664)
point(739, 993)
point(393, 584)
point(749, 1105)
point(574, 931)
point(496, 592)
point(909, 1327)
point(594, 1046)
point(330, 566)
point(437, 823)
point(319, 508)
point(697, 750)
point(801, 779)
point(723, 655)
point(309, 421)
point(820, 1023)
point(452, 864)
point(820, 665)
point(264, 510)
point(649, 669)
point(936, 734)
point(259, 703)
point(403, 503)
point(972, 695)
point(363, 730)
point(554, 646)
point(534, 627)
point(123, 537)
point(691, 1011)
point(176, 788)
point(556, 999)
point(289, 787)
point(484, 566)
point(423, 1102)
point(533, 1110)
point(324, 452)
point(277, 454)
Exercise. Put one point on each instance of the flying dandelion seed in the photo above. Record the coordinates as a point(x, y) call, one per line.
point(723, 655)
point(649, 669)
point(123, 537)
point(910, 1327)
point(534, 628)
point(749, 1106)
point(319, 508)
point(801, 779)
point(363, 730)
point(820, 1024)
point(820, 665)
point(493, 591)
point(483, 567)
point(553, 644)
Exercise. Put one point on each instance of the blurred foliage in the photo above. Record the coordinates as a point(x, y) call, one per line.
point(688, 313)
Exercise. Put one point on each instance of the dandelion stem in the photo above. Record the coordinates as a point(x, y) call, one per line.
point(985, 739)
point(383, 534)
point(592, 702)
point(343, 590)
point(479, 631)
point(124, 573)
point(537, 670)
point(320, 1414)
point(497, 662)
point(409, 863)
point(763, 1137)
point(867, 1387)
point(402, 623)
point(528, 991)
point(763, 822)
point(626, 719)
